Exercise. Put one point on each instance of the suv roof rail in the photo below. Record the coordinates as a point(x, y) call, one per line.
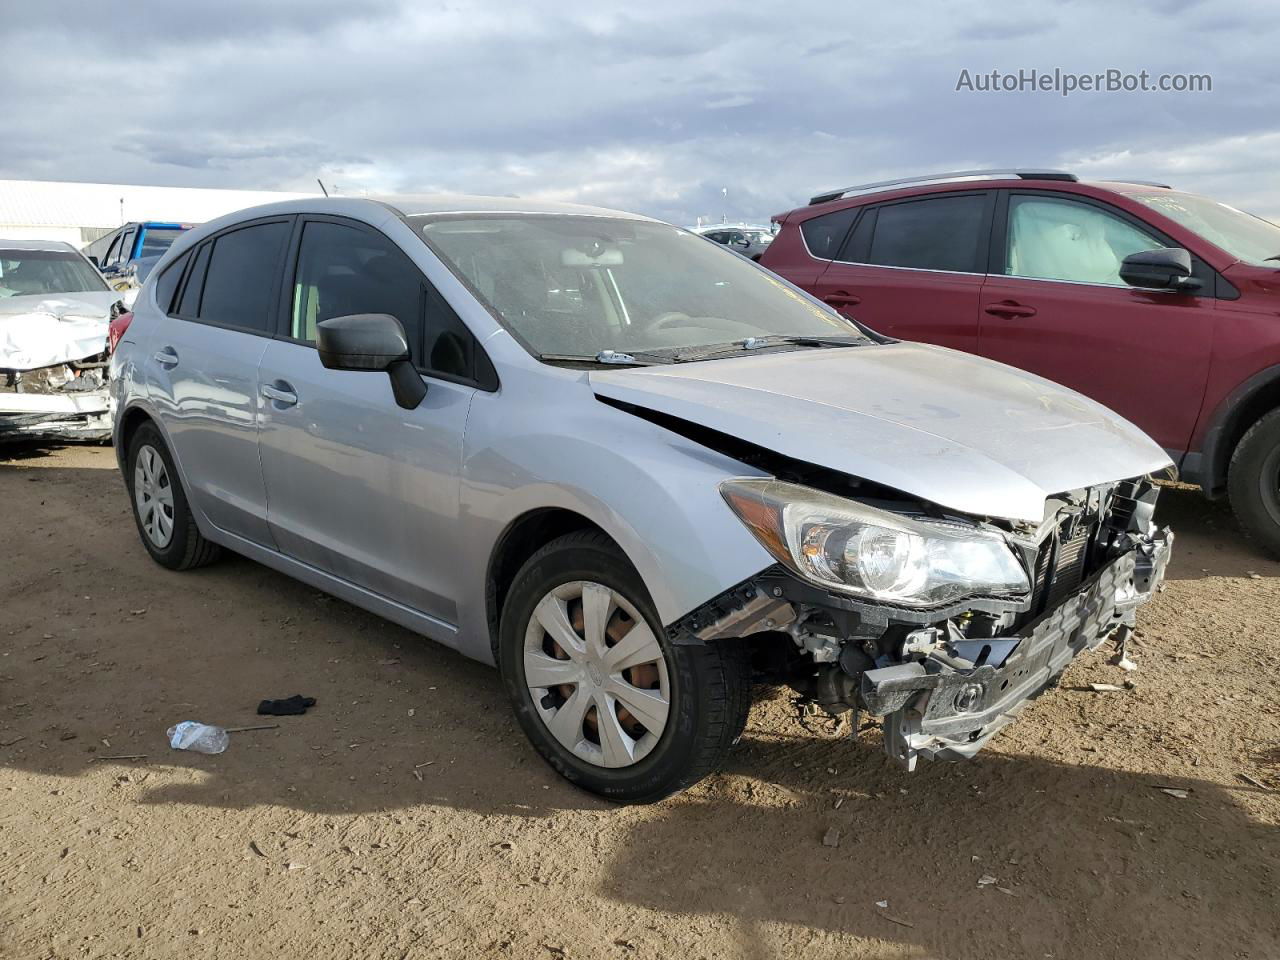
point(1140, 183)
point(943, 178)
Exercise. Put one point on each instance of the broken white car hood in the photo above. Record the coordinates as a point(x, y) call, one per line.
point(40, 331)
point(965, 433)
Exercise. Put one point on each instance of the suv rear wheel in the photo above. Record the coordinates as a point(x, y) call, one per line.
point(1253, 481)
point(601, 692)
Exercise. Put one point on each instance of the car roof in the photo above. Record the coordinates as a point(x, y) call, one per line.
point(36, 245)
point(411, 205)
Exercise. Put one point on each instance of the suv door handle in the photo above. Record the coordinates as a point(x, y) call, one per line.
point(842, 298)
point(282, 394)
point(1009, 309)
point(166, 357)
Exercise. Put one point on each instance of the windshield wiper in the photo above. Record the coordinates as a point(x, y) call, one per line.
point(715, 350)
point(608, 358)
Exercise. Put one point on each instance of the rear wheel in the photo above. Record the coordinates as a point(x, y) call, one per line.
point(1253, 481)
point(601, 692)
point(160, 509)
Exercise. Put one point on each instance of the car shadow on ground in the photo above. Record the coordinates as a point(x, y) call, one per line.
point(1209, 541)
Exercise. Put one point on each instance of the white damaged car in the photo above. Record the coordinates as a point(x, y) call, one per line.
point(55, 309)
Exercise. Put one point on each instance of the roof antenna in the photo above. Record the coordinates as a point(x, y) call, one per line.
point(322, 189)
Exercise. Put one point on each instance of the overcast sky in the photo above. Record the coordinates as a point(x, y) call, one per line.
point(655, 107)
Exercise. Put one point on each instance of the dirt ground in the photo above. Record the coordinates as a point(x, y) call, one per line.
point(406, 816)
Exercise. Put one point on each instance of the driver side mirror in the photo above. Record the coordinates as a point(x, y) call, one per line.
point(371, 342)
point(1165, 268)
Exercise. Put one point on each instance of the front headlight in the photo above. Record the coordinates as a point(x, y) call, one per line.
point(853, 548)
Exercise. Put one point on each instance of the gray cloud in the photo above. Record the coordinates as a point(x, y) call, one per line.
point(655, 108)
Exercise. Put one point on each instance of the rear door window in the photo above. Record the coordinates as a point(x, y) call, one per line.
point(241, 280)
point(939, 233)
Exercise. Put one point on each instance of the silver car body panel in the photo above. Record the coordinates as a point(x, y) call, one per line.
point(299, 489)
point(966, 433)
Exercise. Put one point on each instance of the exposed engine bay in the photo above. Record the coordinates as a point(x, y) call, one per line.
point(944, 679)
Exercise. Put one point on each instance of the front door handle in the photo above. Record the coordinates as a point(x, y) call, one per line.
point(282, 394)
point(166, 357)
point(1010, 309)
point(842, 298)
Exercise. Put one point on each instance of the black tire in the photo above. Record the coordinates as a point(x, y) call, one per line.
point(186, 548)
point(1253, 482)
point(710, 691)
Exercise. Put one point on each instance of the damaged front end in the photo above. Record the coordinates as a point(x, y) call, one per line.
point(54, 371)
point(945, 664)
point(65, 401)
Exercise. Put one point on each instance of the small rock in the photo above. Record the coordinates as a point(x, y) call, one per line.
point(1175, 792)
point(831, 838)
point(295, 866)
point(1105, 688)
point(882, 904)
point(1254, 576)
point(987, 880)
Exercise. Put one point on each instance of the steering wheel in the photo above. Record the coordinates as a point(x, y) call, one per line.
point(673, 318)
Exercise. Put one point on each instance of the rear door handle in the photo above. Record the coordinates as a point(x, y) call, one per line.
point(166, 357)
point(1009, 309)
point(281, 393)
point(842, 299)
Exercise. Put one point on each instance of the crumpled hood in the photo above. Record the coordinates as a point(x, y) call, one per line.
point(39, 331)
point(965, 433)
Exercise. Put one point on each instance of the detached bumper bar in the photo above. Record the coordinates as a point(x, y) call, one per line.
point(938, 711)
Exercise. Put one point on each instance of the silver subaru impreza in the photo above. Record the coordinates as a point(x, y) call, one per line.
point(633, 470)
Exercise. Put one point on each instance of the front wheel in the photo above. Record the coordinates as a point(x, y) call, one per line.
point(604, 696)
point(1253, 482)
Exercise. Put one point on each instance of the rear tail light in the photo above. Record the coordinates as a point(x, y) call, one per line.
point(119, 324)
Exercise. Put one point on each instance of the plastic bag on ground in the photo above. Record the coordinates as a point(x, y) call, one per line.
point(199, 737)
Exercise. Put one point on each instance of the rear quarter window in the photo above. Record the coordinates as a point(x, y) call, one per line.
point(823, 235)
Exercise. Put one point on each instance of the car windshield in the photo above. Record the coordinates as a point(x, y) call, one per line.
point(1241, 234)
point(156, 240)
point(40, 272)
point(574, 285)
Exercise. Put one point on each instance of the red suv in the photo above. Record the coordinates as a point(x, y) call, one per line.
point(1163, 305)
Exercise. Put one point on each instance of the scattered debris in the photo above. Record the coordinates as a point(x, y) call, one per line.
point(296, 866)
point(1007, 892)
point(1175, 792)
point(1250, 780)
point(899, 922)
point(289, 707)
point(832, 837)
point(200, 737)
point(882, 904)
point(1254, 576)
point(417, 773)
point(1124, 663)
point(126, 756)
point(263, 726)
point(1105, 688)
point(987, 880)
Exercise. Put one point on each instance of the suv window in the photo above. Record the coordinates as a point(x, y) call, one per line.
point(940, 233)
point(240, 281)
point(823, 235)
point(122, 252)
point(1060, 239)
point(344, 270)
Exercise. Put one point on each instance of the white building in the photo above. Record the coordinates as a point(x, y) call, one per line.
point(81, 212)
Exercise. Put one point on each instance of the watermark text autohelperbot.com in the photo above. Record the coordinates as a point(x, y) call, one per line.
point(1065, 82)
